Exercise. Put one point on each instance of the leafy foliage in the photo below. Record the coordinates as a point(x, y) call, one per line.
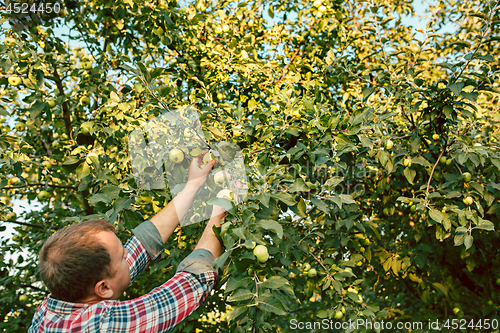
point(360, 135)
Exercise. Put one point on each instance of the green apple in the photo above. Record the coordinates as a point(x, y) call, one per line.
point(14, 80)
point(467, 177)
point(218, 29)
point(9, 41)
point(143, 199)
point(295, 113)
point(87, 65)
point(343, 310)
point(237, 131)
point(2, 119)
point(159, 31)
point(490, 302)
point(187, 133)
point(261, 253)
point(207, 158)
point(449, 161)
point(389, 144)
point(306, 267)
point(220, 177)
point(90, 157)
point(20, 127)
point(312, 273)
point(225, 194)
point(456, 310)
point(64, 136)
point(435, 136)
point(443, 159)
point(317, 3)
point(182, 245)
point(498, 282)
point(47, 165)
point(319, 14)
point(352, 290)
point(220, 96)
point(43, 195)
point(85, 100)
point(338, 314)
point(225, 28)
point(413, 208)
point(23, 298)
point(360, 299)
point(51, 102)
point(176, 155)
point(468, 200)
point(251, 23)
point(322, 8)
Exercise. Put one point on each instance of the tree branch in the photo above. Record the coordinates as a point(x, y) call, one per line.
point(26, 224)
point(65, 107)
point(40, 184)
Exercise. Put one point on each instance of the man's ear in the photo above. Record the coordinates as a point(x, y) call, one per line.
point(102, 290)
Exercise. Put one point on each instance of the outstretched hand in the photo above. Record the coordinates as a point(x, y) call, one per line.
point(198, 173)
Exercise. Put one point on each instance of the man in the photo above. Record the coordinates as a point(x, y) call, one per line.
point(86, 269)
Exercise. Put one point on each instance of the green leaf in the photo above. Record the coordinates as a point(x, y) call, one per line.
point(333, 181)
point(485, 225)
point(272, 305)
point(274, 282)
point(82, 171)
point(285, 197)
point(420, 160)
point(367, 92)
point(435, 215)
point(271, 225)
point(95, 199)
point(321, 205)
point(36, 109)
point(112, 191)
point(468, 241)
point(410, 175)
point(219, 262)
point(241, 294)
point(366, 142)
point(441, 288)
point(456, 88)
point(234, 283)
point(235, 311)
point(298, 186)
point(347, 199)
point(122, 203)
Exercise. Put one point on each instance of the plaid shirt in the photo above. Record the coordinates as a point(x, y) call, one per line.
point(158, 311)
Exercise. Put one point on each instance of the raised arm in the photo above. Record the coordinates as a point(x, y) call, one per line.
point(208, 240)
point(168, 218)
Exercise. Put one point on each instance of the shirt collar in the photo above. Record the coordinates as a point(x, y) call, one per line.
point(56, 305)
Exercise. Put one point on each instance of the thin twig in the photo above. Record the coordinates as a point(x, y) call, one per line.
point(25, 223)
point(40, 184)
point(432, 172)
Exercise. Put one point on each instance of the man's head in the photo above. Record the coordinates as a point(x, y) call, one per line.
point(84, 262)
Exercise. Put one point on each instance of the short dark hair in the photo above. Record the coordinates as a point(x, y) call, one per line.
point(72, 260)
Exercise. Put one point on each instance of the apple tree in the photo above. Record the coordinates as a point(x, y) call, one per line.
point(371, 151)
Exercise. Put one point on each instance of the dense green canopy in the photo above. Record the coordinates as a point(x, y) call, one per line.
point(371, 151)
